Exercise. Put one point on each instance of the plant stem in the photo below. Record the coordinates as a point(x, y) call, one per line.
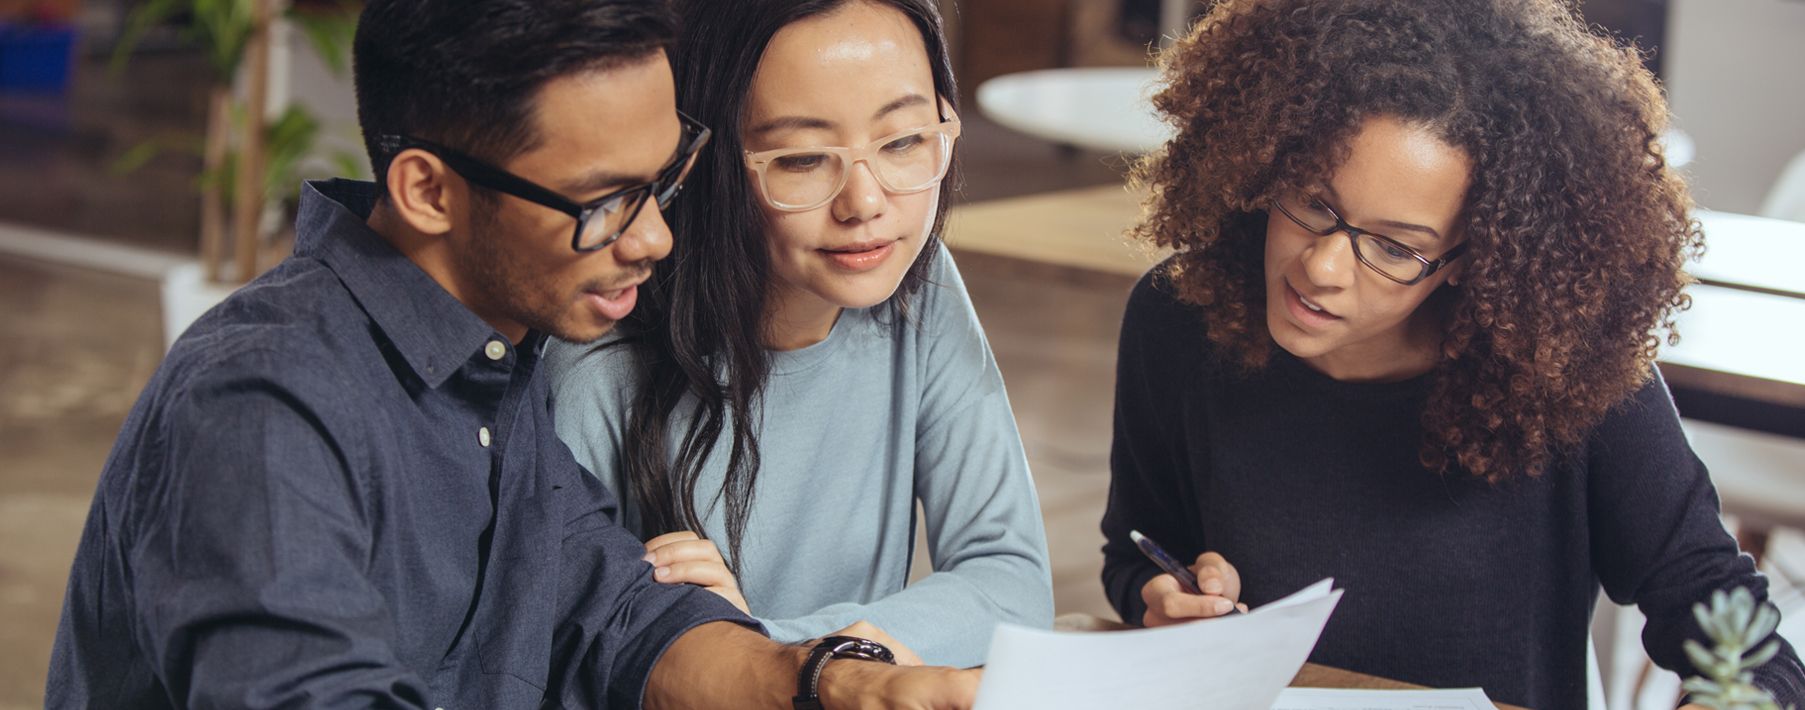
point(249, 203)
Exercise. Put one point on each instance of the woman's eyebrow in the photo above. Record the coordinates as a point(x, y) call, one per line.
point(1389, 223)
point(817, 123)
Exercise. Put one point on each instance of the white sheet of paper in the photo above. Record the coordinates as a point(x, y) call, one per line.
point(1338, 699)
point(1228, 663)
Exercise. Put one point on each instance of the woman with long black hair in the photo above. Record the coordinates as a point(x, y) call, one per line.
point(807, 366)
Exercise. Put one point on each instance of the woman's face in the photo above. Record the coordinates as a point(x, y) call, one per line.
point(843, 79)
point(1327, 307)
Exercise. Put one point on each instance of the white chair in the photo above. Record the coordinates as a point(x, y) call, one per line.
point(1786, 199)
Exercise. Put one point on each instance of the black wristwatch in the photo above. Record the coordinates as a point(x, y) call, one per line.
point(808, 681)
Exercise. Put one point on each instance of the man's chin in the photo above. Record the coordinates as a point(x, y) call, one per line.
point(583, 334)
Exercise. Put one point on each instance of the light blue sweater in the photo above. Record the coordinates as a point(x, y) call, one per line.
point(856, 429)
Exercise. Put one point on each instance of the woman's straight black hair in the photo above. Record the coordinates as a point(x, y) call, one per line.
point(699, 330)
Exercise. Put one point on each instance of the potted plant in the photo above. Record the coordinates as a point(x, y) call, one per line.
point(249, 160)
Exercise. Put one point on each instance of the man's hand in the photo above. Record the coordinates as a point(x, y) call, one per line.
point(1168, 604)
point(683, 557)
point(870, 632)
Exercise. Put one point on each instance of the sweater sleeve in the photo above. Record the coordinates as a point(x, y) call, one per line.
point(984, 529)
point(1657, 539)
point(1150, 486)
point(592, 387)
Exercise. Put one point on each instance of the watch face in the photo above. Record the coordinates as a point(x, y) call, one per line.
point(855, 647)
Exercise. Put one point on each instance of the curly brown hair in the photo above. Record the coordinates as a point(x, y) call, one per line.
point(1577, 227)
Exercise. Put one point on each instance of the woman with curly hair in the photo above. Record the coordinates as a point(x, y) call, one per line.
point(1424, 253)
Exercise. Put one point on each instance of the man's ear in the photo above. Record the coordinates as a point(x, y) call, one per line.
point(419, 191)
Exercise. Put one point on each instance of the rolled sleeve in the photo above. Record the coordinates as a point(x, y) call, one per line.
point(617, 621)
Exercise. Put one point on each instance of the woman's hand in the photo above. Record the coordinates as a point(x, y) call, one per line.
point(870, 632)
point(1167, 604)
point(683, 557)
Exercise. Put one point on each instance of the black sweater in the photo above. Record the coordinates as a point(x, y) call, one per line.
point(1451, 582)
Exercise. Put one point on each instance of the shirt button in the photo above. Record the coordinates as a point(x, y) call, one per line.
point(495, 350)
point(482, 436)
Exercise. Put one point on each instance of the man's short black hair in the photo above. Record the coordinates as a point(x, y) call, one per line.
point(464, 73)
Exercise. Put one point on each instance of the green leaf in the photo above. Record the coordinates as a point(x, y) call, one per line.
point(1762, 656)
point(141, 19)
point(331, 33)
point(348, 165)
point(135, 158)
point(1707, 621)
point(1701, 658)
point(1767, 618)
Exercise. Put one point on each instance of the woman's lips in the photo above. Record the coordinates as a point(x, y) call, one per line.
point(1302, 311)
point(859, 257)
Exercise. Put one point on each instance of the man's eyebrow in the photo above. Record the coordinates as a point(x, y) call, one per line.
point(599, 181)
point(1390, 223)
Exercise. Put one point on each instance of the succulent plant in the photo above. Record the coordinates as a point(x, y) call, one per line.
point(1735, 624)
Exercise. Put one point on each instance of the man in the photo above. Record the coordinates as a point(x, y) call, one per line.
point(343, 488)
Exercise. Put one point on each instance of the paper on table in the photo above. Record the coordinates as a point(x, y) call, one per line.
point(1227, 663)
point(1338, 699)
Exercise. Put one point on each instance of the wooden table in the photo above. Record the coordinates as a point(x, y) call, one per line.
point(1081, 228)
point(1310, 676)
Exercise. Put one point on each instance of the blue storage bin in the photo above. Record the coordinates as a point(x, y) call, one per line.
point(35, 58)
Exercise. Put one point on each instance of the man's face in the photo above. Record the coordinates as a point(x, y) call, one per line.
point(598, 131)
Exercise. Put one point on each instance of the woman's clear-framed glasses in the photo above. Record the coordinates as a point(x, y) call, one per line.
point(802, 179)
point(1378, 252)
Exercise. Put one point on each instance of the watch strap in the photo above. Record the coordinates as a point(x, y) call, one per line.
point(808, 679)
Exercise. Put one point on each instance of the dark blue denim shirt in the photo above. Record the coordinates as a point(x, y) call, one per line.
point(343, 489)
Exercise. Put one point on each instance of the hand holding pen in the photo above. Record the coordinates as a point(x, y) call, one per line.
point(1209, 588)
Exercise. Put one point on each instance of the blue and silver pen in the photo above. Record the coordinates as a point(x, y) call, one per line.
point(1186, 580)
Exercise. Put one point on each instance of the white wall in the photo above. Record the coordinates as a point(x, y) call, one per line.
point(1736, 82)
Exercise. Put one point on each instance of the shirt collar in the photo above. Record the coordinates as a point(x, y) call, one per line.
point(434, 332)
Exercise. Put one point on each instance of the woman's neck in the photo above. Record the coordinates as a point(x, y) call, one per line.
point(795, 319)
point(1417, 352)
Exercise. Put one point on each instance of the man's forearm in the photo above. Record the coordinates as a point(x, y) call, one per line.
point(723, 664)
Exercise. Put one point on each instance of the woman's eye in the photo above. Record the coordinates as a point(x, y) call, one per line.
point(904, 144)
point(801, 162)
point(1393, 252)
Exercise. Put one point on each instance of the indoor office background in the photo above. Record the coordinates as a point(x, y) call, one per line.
point(108, 245)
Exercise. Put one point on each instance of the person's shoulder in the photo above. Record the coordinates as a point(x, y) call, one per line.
point(295, 328)
point(1154, 304)
point(1646, 415)
point(584, 376)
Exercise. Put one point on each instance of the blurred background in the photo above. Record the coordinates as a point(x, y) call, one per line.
point(138, 187)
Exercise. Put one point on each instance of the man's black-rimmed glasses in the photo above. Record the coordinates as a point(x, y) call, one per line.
point(600, 221)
